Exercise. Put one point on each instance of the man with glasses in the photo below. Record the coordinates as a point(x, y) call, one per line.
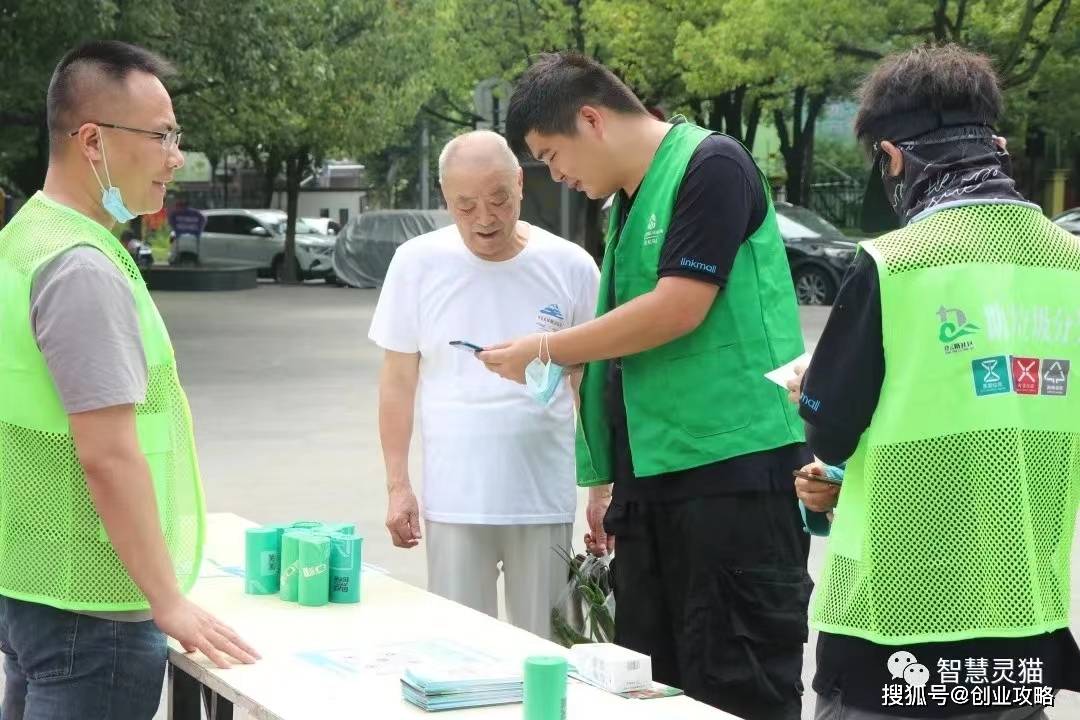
point(102, 518)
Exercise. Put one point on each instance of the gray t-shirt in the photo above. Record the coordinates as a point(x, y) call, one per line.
point(83, 316)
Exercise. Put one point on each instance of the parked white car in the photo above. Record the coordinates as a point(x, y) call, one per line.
point(323, 226)
point(257, 237)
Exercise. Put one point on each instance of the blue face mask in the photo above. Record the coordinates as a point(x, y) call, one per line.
point(542, 379)
point(111, 199)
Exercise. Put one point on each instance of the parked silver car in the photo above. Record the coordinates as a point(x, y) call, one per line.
point(257, 237)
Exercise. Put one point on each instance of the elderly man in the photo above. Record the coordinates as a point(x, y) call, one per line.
point(102, 521)
point(499, 485)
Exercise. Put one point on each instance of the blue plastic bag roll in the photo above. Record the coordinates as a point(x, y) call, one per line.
point(313, 576)
point(345, 556)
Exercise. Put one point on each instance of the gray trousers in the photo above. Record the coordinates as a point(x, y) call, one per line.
point(831, 707)
point(464, 562)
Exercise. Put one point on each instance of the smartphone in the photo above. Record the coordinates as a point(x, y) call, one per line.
point(819, 478)
point(466, 346)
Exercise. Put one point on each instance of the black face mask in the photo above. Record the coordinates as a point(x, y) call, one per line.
point(947, 165)
point(879, 210)
point(878, 214)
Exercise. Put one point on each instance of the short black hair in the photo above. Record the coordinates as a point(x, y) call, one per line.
point(938, 79)
point(112, 59)
point(549, 94)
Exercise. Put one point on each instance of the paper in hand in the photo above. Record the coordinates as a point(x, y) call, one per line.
point(784, 373)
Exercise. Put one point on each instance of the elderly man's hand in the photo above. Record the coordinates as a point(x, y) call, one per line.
point(816, 495)
point(403, 517)
point(508, 360)
point(794, 385)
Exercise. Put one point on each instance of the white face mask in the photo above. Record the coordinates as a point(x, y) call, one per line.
point(542, 379)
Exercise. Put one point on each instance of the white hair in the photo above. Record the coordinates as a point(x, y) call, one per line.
point(452, 148)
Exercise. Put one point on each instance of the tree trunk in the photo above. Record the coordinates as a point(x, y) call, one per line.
point(791, 144)
point(797, 143)
point(733, 121)
point(719, 112)
point(578, 25)
point(270, 171)
point(752, 121)
point(941, 21)
point(817, 103)
point(294, 167)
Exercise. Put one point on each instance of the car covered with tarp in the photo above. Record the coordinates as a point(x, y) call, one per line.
point(368, 242)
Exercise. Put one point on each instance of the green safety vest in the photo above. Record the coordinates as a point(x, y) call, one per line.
point(956, 516)
point(703, 397)
point(53, 547)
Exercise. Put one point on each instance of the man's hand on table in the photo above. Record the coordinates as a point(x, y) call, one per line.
point(196, 629)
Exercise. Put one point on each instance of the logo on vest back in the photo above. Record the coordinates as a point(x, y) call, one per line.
point(1021, 375)
point(1025, 376)
point(954, 328)
point(653, 234)
point(1055, 377)
point(991, 375)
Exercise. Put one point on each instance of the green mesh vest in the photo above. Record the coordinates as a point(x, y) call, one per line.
point(703, 397)
point(957, 512)
point(53, 547)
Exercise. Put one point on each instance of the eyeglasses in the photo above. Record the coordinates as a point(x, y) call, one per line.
point(169, 140)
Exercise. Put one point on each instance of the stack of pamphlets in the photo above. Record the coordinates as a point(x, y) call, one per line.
point(436, 685)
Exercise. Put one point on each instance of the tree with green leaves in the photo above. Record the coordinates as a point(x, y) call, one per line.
point(309, 79)
point(33, 38)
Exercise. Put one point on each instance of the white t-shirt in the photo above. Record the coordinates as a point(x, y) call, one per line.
point(492, 455)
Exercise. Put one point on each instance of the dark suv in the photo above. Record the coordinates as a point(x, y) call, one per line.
point(818, 253)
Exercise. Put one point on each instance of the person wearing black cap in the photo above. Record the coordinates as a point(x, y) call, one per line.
point(942, 377)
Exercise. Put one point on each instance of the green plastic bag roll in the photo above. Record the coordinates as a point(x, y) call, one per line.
point(304, 525)
point(262, 561)
point(290, 556)
point(345, 555)
point(313, 586)
point(545, 688)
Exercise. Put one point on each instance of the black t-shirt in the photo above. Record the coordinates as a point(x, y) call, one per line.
point(838, 403)
point(841, 390)
point(720, 204)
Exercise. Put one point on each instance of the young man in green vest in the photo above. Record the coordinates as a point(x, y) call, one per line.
point(696, 305)
point(944, 373)
point(101, 507)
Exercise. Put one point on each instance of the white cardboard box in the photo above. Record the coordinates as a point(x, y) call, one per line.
point(612, 667)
